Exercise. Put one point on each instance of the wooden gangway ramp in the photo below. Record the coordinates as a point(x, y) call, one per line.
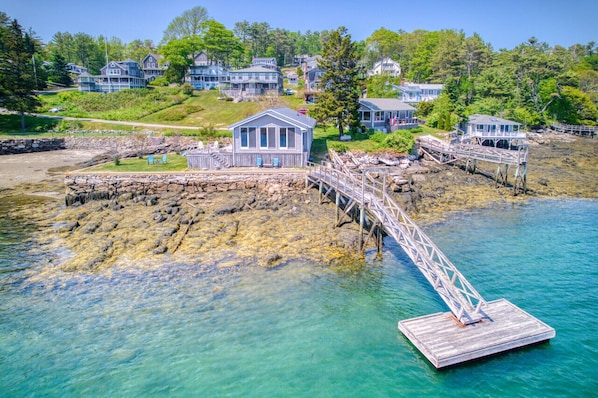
point(474, 328)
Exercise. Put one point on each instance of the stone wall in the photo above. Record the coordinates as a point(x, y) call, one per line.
point(16, 146)
point(83, 187)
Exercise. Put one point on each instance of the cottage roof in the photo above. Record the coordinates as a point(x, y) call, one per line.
point(385, 104)
point(255, 69)
point(284, 114)
point(486, 119)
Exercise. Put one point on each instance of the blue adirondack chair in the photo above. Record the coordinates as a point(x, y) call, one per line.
point(150, 159)
point(164, 158)
point(275, 162)
point(259, 162)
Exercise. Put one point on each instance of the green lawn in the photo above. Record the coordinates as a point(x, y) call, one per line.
point(133, 165)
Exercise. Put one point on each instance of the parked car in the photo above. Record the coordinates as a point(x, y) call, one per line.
point(289, 91)
point(55, 110)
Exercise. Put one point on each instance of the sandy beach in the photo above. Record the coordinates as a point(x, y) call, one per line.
point(38, 166)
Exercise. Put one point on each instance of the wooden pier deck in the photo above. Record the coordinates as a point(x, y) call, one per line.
point(445, 152)
point(584, 131)
point(490, 327)
point(504, 327)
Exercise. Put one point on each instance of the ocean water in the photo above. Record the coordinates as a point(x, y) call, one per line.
point(303, 330)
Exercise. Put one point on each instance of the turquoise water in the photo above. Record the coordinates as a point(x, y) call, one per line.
point(304, 330)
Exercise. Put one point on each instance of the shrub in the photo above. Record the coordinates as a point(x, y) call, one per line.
point(338, 146)
point(116, 160)
point(400, 140)
point(187, 89)
point(378, 136)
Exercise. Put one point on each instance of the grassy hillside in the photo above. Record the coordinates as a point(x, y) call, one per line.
point(175, 106)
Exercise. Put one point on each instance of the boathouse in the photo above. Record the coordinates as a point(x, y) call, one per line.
point(278, 137)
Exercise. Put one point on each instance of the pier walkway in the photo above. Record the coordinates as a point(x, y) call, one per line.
point(584, 131)
point(378, 211)
point(448, 152)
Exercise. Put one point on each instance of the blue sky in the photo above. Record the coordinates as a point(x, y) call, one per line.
point(503, 23)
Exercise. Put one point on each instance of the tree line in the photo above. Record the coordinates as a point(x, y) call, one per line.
point(531, 83)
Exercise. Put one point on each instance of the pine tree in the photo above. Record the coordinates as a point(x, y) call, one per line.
point(340, 99)
point(58, 73)
point(17, 76)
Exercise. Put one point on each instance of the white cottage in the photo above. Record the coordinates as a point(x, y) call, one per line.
point(485, 129)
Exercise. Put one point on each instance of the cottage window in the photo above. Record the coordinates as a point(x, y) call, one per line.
point(367, 116)
point(378, 116)
point(287, 137)
point(271, 137)
point(515, 128)
point(244, 137)
point(263, 137)
point(479, 127)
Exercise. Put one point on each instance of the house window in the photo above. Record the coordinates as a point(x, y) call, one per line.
point(271, 137)
point(263, 137)
point(244, 137)
point(378, 116)
point(114, 71)
point(287, 137)
point(366, 116)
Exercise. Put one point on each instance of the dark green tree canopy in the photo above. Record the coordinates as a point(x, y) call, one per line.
point(340, 82)
point(17, 72)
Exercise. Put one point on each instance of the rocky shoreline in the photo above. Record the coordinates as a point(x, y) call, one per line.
point(271, 227)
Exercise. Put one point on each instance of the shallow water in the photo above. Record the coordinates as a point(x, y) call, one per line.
point(303, 329)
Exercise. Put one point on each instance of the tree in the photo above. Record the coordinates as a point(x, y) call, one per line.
point(220, 43)
point(340, 82)
point(190, 23)
point(17, 75)
point(176, 53)
point(381, 86)
point(137, 50)
point(58, 72)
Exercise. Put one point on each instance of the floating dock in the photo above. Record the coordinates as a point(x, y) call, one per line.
point(445, 342)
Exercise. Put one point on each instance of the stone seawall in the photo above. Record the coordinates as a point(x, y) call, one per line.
point(84, 187)
point(28, 145)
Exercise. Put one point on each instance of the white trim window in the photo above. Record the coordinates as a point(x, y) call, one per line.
point(247, 137)
point(114, 71)
point(286, 137)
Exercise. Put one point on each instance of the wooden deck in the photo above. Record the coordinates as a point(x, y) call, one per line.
point(445, 343)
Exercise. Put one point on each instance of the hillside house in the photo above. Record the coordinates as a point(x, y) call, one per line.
point(151, 67)
point(386, 67)
point(386, 114)
point(413, 93)
point(207, 77)
point(269, 63)
point(115, 76)
point(254, 81)
point(279, 137)
point(75, 69)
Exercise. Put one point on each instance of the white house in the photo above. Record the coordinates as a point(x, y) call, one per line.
point(386, 67)
point(254, 81)
point(413, 93)
point(484, 129)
